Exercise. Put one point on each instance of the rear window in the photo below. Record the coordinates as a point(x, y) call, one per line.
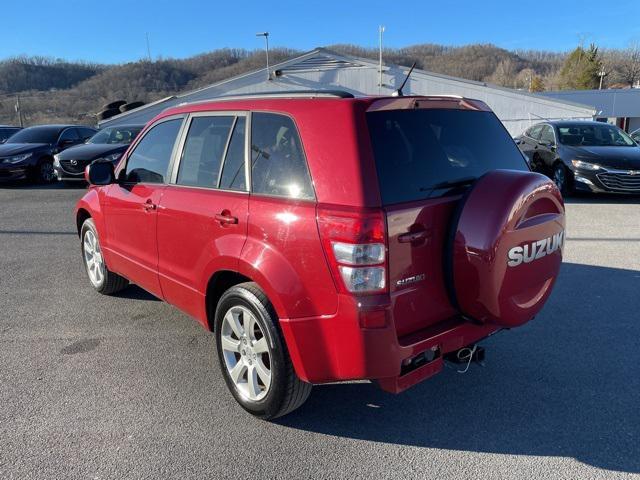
point(428, 153)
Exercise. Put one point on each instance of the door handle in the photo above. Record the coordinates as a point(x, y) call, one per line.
point(225, 218)
point(149, 205)
point(411, 237)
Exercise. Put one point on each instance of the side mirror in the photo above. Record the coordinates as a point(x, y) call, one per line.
point(65, 144)
point(100, 173)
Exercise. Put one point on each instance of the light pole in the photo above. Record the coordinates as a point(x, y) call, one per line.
point(266, 38)
point(380, 32)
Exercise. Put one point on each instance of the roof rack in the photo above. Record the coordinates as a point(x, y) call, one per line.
point(277, 94)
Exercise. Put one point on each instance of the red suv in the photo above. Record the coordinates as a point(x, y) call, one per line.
point(326, 238)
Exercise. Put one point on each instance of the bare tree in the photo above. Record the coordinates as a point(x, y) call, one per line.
point(630, 64)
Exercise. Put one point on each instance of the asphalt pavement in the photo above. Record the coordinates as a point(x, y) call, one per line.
point(126, 387)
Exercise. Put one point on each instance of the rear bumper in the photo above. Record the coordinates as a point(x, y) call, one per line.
point(336, 348)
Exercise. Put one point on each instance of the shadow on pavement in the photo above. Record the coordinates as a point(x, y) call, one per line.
point(134, 292)
point(26, 185)
point(603, 198)
point(567, 384)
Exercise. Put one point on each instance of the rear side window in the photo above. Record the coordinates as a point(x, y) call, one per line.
point(203, 150)
point(233, 172)
point(426, 153)
point(278, 165)
point(150, 158)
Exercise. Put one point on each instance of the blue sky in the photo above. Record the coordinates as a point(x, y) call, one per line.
point(113, 31)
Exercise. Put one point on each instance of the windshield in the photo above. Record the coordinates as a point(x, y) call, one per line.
point(425, 153)
point(594, 136)
point(115, 135)
point(36, 135)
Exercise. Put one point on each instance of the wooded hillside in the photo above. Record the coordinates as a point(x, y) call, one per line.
point(54, 90)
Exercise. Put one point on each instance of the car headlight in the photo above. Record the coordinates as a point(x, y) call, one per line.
point(113, 157)
point(17, 158)
point(585, 165)
point(56, 160)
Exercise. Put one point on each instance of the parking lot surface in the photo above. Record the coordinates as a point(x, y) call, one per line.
point(127, 386)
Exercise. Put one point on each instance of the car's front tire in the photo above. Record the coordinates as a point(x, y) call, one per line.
point(44, 171)
point(563, 178)
point(102, 279)
point(253, 356)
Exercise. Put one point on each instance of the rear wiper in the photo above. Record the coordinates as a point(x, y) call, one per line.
point(450, 184)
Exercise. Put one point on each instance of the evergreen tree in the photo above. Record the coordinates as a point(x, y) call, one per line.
point(537, 84)
point(580, 69)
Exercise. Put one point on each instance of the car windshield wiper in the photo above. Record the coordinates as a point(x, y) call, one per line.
point(450, 184)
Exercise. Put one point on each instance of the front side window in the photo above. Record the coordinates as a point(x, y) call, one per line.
point(6, 133)
point(534, 132)
point(278, 165)
point(203, 150)
point(547, 136)
point(150, 159)
point(69, 135)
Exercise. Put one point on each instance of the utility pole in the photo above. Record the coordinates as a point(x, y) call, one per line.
point(380, 32)
point(148, 47)
point(19, 111)
point(266, 38)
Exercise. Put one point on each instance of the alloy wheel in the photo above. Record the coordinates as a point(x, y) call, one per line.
point(246, 353)
point(93, 258)
point(46, 172)
point(559, 178)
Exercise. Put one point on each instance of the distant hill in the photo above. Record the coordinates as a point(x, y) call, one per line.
point(61, 91)
point(40, 73)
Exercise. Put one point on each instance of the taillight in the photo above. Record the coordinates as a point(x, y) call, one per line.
point(355, 245)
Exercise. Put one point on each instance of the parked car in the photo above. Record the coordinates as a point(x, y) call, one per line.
point(326, 238)
point(636, 136)
point(582, 155)
point(6, 131)
point(108, 143)
point(29, 153)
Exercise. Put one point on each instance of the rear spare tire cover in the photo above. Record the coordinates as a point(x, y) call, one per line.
point(506, 247)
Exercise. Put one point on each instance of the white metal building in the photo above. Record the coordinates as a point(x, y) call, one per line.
point(619, 107)
point(322, 69)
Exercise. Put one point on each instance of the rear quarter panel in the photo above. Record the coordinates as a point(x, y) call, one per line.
point(284, 256)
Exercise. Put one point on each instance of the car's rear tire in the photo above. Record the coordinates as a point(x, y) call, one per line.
point(563, 178)
point(101, 278)
point(253, 356)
